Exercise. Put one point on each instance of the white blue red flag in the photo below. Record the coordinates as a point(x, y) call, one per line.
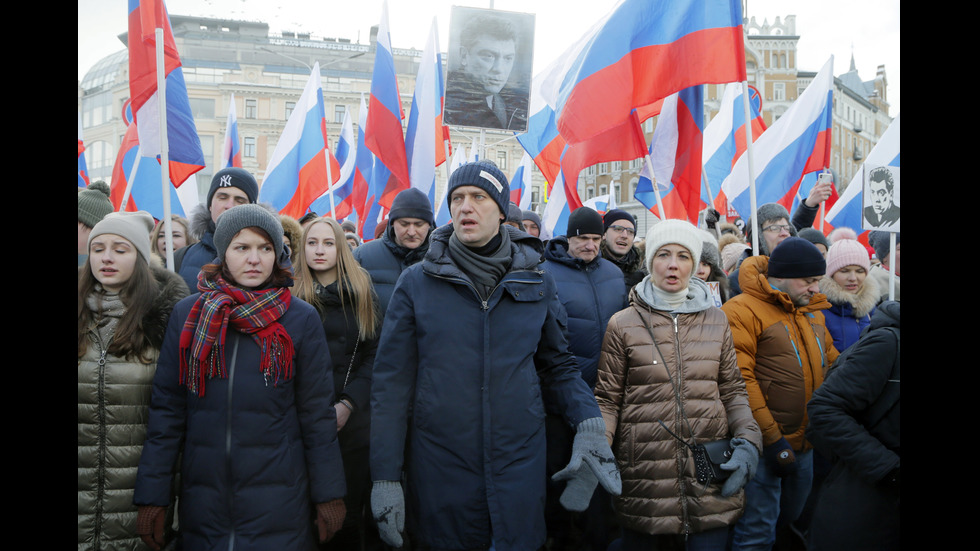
point(184, 146)
point(520, 183)
point(887, 152)
point(424, 133)
point(297, 171)
point(642, 52)
point(343, 190)
point(146, 178)
point(443, 216)
point(82, 167)
point(675, 153)
point(384, 124)
point(601, 203)
point(795, 145)
point(724, 138)
point(231, 153)
point(554, 219)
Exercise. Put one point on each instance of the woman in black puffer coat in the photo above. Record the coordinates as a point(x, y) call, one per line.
point(329, 278)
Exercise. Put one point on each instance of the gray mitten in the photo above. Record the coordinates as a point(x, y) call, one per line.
point(745, 458)
point(590, 447)
point(579, 489)
point(388, 508)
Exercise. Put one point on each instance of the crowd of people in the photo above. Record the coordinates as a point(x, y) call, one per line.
point(286, 385)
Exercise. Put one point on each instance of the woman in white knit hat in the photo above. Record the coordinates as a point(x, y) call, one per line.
point(852, 294)
point(668, 379)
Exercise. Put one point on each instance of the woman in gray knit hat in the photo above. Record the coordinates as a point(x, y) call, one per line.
point(243, 381)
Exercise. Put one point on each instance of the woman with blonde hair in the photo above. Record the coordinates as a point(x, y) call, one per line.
point(124, 301)
point(181, 235)
point(329, 278)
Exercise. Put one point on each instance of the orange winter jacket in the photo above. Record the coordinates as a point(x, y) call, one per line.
point(782, 350)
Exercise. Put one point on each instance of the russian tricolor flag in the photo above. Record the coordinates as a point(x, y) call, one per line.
point(443, 216)
point(644, 51)
point(795, 145)
point(724, 140)
point(384, 124)
point(675, 153)
point(184, 146)
point(554, 219)
point(887, 152)
point(82, 167)
point(343, 191)
point(424, 133)
point(146, 179)
point(231, 153)
point(520, 183)
point(297, 172)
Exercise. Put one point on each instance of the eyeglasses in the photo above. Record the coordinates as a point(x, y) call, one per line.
point(777, 228)
point(622, 229)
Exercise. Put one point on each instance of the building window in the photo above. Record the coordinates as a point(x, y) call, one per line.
point(290, 105)
point(249, 149)
point(603, 189)
point(502, 160)
point(589, 192)
point(202, 108)
point(251, 109)
point(603, 169)
point(338, 113)
point(779, 91)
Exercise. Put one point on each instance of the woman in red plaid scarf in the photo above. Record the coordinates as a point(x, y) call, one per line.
point(243, 390)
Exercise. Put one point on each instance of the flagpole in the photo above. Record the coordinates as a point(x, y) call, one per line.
point(753, 203)
point(132, 176)
point(164, 148)
point(326, 148)
point(656, 188)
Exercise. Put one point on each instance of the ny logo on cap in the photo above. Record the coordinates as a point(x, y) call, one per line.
point(225, 181)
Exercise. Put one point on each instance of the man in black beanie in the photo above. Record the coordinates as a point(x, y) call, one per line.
point(230, 187)
point(591, 289)
point(471, 349)
point(783, 349)
point(404, 242)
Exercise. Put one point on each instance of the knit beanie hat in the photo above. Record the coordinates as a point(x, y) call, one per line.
point(411, 203)
point(582, 221)
point(234, 176)
point(484, 175)
point(730, 255)
point(879, 241)
point(514, 215)
point(94, 203)
point(613, 215)
point(796, 257)
point(134, 226)
point(847, 252)
point(669, 231)
point(814, 236)
point(240, 217)
point(710, 254)
point(532, 216)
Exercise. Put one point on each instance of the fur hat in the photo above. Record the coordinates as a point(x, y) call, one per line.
point(879, 241)
point(796, 257)
point(670, 231)
point(294, 233)
point(134, 226)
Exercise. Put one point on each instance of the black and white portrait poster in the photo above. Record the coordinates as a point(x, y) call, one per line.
point(881, 198)
point(488, 81)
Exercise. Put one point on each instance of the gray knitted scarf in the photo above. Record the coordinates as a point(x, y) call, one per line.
point(484, 271)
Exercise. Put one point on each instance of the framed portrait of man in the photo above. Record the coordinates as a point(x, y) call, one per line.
point(488, 81)
point(881, 198)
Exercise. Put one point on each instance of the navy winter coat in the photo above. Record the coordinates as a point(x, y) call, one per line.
point(385, 260)
point(256, 457)
point(474, 373)
point(591, 293)
point(197, 255)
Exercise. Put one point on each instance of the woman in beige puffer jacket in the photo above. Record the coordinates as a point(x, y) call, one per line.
point(673, 349)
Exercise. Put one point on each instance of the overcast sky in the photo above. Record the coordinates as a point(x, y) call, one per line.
point(867, 28)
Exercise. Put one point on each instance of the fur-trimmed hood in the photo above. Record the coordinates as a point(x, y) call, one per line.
point(172, 288)
point(201, 222)
point(862, 302)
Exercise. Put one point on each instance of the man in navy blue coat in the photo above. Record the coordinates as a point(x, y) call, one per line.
point(473, 346)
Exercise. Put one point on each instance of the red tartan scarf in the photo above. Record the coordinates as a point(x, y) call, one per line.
point(255, 313)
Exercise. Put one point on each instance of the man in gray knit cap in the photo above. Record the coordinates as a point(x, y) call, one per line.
point(473, 346)
point(93, 206)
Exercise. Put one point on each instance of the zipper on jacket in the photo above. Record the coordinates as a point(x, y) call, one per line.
point(101, 453)
point(231, 487)
point(680, 404)
point(793, 343)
